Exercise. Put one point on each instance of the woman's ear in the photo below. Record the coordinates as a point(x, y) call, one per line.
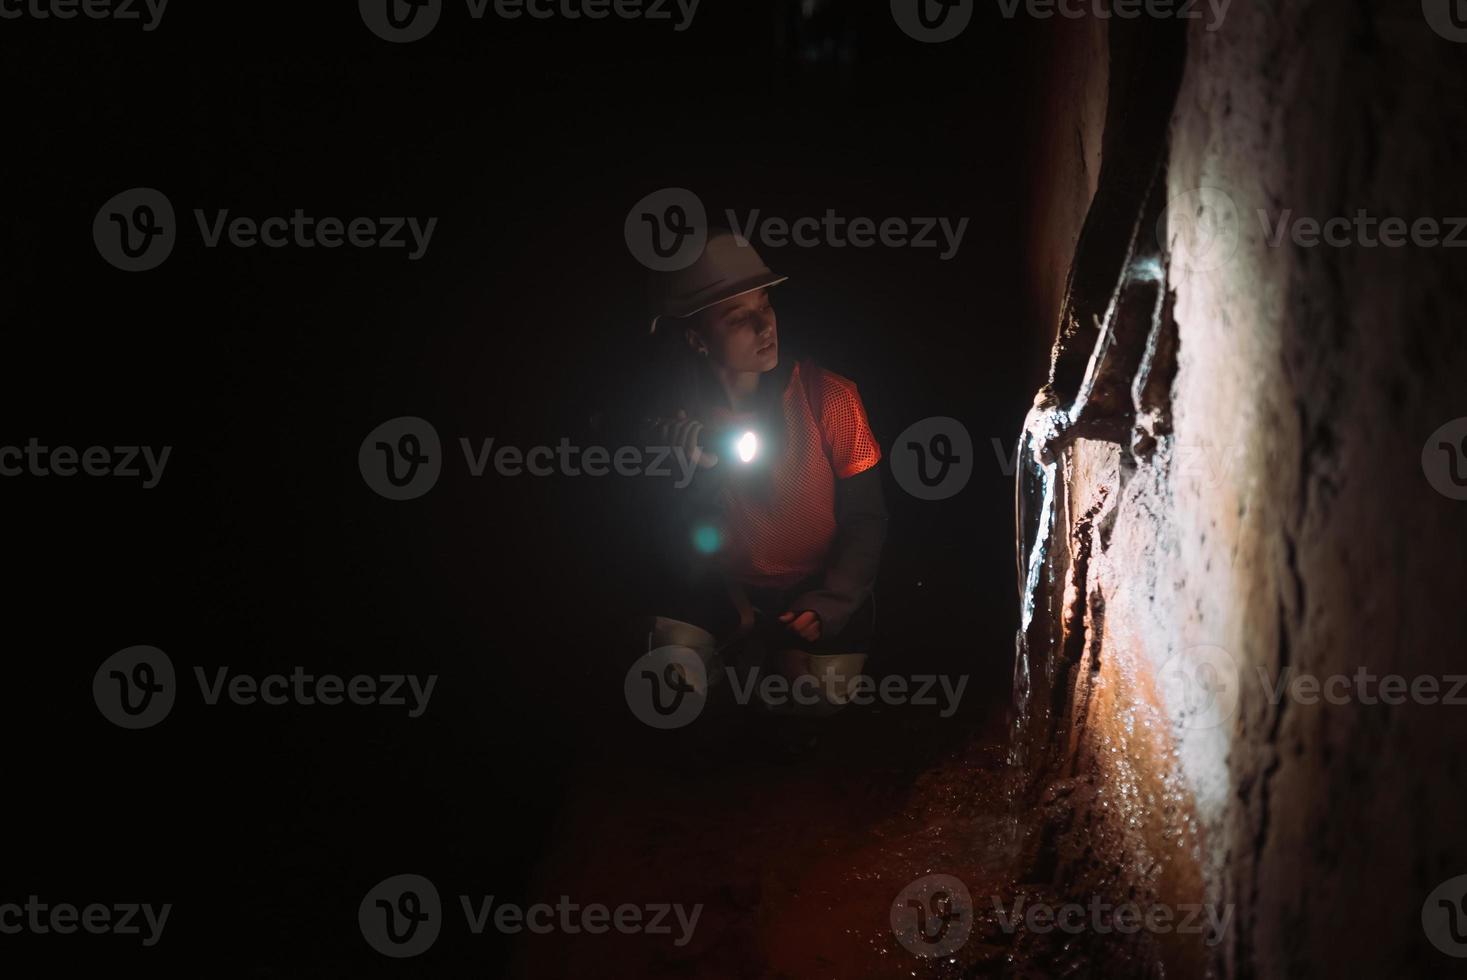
point(695, 342)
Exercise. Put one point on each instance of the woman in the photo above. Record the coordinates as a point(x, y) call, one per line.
point(784, 522)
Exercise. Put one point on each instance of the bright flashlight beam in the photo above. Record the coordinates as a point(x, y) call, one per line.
point(748, 447)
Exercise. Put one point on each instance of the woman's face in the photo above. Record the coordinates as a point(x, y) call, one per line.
point(739, 334)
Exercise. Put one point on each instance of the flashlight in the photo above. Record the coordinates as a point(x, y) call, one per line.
point(748, 447)
point(734, 443)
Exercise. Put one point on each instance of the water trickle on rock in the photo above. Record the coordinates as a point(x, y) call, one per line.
point(1042, 549)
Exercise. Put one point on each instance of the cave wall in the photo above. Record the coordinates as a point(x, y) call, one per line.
point(1316, 374)
point(1285, 526)
point(1074, 65)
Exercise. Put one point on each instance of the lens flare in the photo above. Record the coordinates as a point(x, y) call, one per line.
point(706, 539)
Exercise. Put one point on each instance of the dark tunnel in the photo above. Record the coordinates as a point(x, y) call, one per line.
point(375, 616)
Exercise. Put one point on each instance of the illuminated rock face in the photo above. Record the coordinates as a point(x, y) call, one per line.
point(1285, 527)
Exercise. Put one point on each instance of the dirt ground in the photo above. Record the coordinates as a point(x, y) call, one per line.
point(797, 851)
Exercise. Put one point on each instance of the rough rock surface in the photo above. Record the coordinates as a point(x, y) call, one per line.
point(1286, 526)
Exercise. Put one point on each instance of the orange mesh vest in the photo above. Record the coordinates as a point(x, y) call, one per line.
point(779, 533)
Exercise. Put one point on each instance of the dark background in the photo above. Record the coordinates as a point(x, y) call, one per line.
point(264, 369)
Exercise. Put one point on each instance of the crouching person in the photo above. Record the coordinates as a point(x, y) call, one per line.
point(778, 536)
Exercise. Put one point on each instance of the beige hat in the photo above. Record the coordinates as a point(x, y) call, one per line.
point(728, 267)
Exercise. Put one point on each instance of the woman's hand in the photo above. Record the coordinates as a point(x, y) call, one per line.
point(681, 432)
point(806, 624)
